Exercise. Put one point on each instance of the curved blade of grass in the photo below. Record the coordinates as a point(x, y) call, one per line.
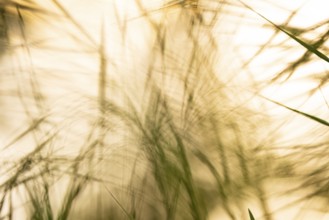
point(312, 117)
point(309, 47)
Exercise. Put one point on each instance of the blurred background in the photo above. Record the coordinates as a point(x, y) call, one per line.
point(183, 109)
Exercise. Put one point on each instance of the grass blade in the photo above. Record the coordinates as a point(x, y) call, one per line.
point(312, 117)
point(250, 215)
point(309, 47)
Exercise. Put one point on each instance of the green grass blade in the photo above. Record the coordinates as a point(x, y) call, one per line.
point(309, 47)
point(250, 215)
point(312, 117)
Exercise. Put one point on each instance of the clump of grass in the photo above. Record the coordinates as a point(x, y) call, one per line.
point(176, 144)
